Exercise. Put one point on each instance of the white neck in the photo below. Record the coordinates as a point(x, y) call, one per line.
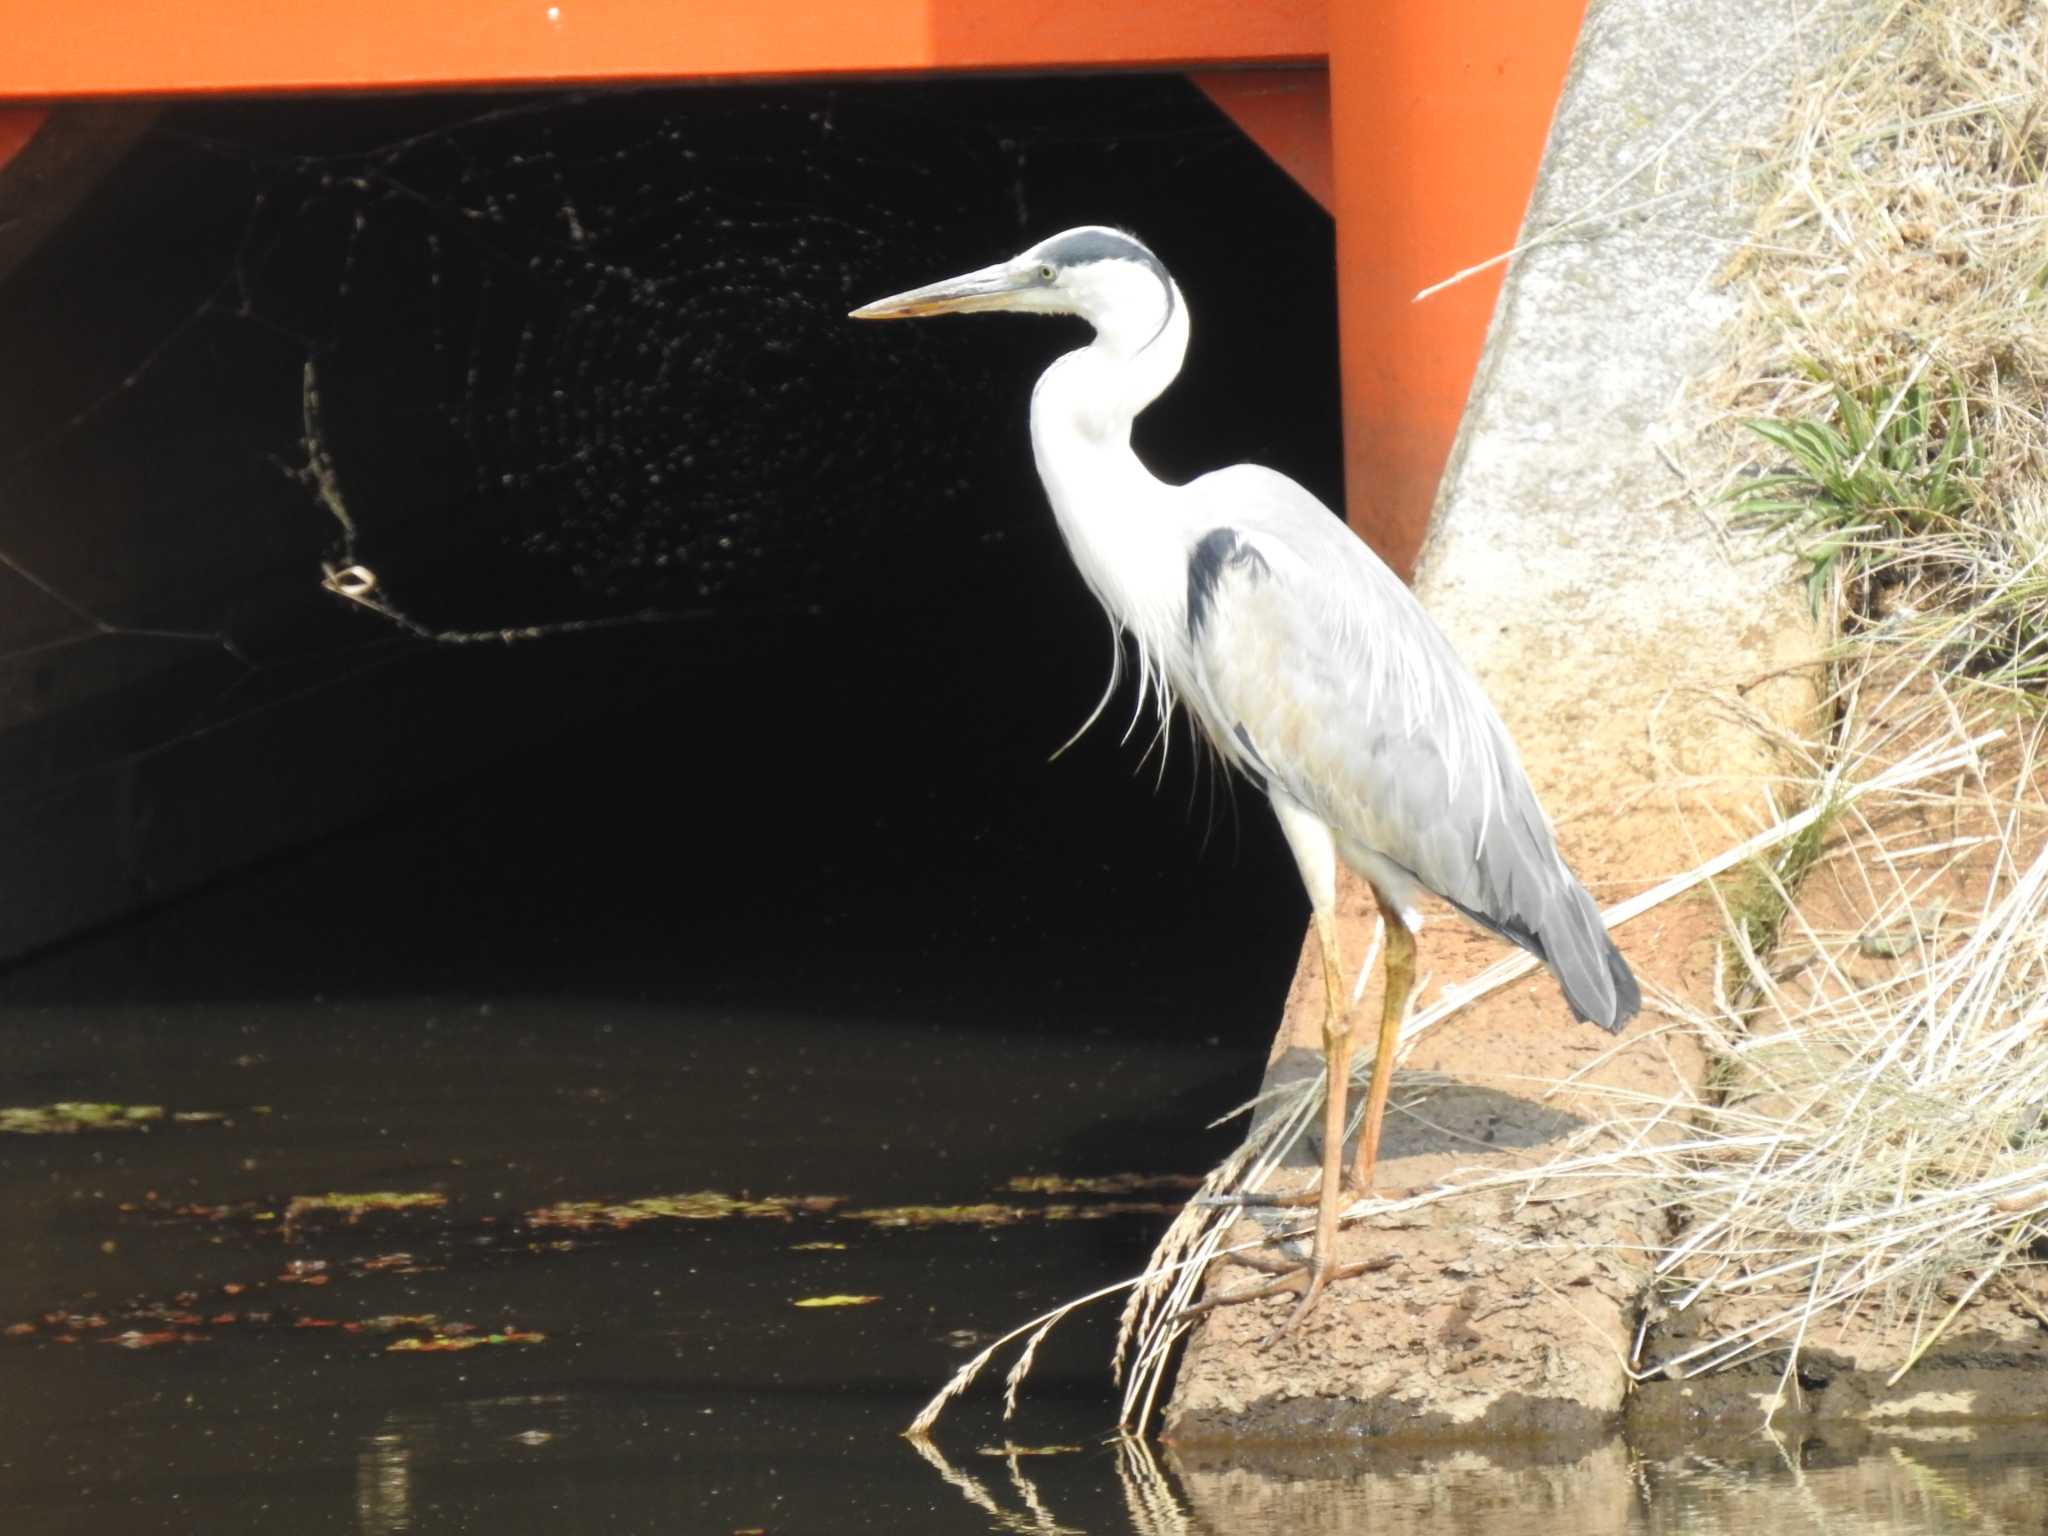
point(1120, 525)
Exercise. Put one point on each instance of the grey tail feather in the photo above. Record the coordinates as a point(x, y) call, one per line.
point(1578, 961)
point(1628, 996)
point(1594, 969)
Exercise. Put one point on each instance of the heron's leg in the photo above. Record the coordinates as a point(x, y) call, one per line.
point(1308, 1280)
point(1337, 1044)
point(1400, 973)
point(1315, 853)
point(1290, 1283)
point(1336, 1094)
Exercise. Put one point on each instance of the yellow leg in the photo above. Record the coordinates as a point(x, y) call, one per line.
point(1336, 1092)
point(1400, 973)
point(1331, 1197)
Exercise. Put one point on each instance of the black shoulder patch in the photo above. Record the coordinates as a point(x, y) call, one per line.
point(1215, 552)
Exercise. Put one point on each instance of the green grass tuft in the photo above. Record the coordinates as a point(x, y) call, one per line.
point(1888, 465)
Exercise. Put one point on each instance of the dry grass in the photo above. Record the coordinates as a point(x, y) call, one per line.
point(1879, 1149)
point(1892, 360)
point(1879, 1157)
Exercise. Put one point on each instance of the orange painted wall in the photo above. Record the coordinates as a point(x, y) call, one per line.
point(1286, 112)
point(158, 47)
point(1439, 113)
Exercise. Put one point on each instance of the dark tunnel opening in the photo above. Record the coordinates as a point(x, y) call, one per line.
point(808, 637)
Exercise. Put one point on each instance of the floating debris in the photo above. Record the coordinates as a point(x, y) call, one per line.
point(994, 1215)
point(1103, 1184)
point(163, 1210)
point(391, 1264)
point(70, 1117)
point(135, 1339)
point(450, 1342)
point(703, 1205)
point(552, 1230)
point(74, 1322)
point(391, 1322)
point(984, 1215)
point(354, 1208)
point(155, 1326)
point(1108, 1208)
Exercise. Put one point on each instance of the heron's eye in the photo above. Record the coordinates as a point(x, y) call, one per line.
point(1046, 273)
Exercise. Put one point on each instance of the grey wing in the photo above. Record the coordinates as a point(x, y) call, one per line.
point(1315, 668)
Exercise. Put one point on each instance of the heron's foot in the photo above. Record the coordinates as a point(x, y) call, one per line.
point(1306, 1278)
point(1290, 1199)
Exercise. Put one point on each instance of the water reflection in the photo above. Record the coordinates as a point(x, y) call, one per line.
point(1448, 1492)
point(1935, 1480)
point(384, 1486)
point(1024, 1511)
point(1925, 1483)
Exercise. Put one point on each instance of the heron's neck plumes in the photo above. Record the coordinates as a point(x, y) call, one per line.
point(1120, 524)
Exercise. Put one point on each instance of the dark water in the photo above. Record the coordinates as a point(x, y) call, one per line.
point(677, 1387)
point(676, 1379)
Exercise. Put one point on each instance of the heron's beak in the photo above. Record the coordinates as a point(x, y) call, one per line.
point(994, 287)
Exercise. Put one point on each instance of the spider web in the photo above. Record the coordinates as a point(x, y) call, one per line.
point(611, 336)
point(332, 379)
point(492, 372)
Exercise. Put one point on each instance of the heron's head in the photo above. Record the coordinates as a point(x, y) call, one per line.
point(1105, 276)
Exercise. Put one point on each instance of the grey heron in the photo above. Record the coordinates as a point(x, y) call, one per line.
point(1305, 662)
